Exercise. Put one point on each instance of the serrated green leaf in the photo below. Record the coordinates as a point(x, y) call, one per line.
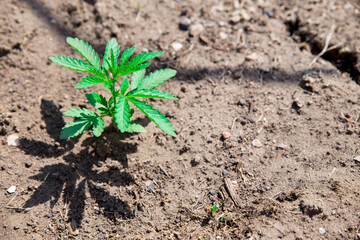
point(103, 110)
point(97, 100)
point(86, 119)
point(123, 114)
point(112, 52)
point(106, 64)
point(75, 64)
point(111, 101)
point(150, 93)
point(137, 63)
point(98, 127)
point(125, 57)
point(156, 78)
point(135, 128)
point(136, 78)
point(85, 50)
point(135, 69)
point(124, 86)
point(105, 73)
point(89, 81)
point(80, 112)
point(155, 116)
point(75, 128)
point(141, 58)
point(113, 67)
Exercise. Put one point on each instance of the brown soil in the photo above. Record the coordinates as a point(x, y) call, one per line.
point(290, 169)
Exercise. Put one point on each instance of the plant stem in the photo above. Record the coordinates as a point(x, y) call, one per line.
point(112, 90)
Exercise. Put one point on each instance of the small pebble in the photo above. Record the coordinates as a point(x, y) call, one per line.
point(225, 173)
point(357, 159)
point(297, 104)
point(11, 189)
point(252, 57)
point(184, 23)
point(265, 69)
point(226, 135)
point(196, 29)
point(241, 102)
point(176, 46)
point(270, 14)
point(222, 35)
point(195, 161)
point(13, 140)
point(322, 231)
point(28, 165)
point(256, 143)
point(235, 18)
point(212, 192)
point(283, 146)
point(245, 15)
point(149, 186)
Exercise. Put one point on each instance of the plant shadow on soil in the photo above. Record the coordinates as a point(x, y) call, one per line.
point(72, 179)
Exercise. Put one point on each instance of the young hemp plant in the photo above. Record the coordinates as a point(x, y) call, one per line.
point(117, 106)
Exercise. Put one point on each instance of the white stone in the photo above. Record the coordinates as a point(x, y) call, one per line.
point(235, 18)
point(226, 135)
point(176, 46)
point(322, 231)
point(256, 143)
point(223, 35)
point(252, 57)
point(196, 29)
point(245, 15)
point(13, 140)
point(11, 189)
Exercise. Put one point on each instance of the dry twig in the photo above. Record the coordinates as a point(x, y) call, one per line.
point(328, 38)
point(164, 170)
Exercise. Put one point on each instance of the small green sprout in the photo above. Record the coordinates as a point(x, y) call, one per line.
point(138, 6)
point(213, 209)
point(117, 107)
point(222, 219)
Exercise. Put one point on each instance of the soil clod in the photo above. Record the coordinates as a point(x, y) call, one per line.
point(310, 208)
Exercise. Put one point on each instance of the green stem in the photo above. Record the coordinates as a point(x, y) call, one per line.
point(113, 92)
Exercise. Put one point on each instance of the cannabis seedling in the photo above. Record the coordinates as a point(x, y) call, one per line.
point(117, 107)
point(214, 209)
